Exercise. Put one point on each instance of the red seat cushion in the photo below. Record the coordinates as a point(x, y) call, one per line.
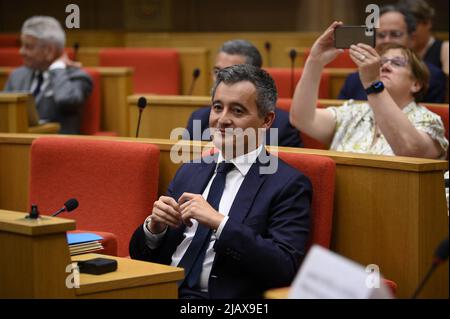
point(90, 121)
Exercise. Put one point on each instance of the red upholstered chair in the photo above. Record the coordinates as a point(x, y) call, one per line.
point(342, 61)
point(90, 121)
point(308, 142)
point(321, 172)
point(9, 40)
point(155, 70)
point(442, 111)
point(282, 78)
point(115, 182)
point(12, 58)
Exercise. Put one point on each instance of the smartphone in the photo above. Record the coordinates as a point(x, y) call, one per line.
point(346, 35)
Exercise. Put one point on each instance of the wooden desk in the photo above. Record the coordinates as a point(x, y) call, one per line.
point(132, 279)
point(35, 256)
point(389, 211)
point(116, 85)
point(163, 113)
point(14, 115)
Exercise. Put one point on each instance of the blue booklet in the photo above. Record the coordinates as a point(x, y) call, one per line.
point(79, 238)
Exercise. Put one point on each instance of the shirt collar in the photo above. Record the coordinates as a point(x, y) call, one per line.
point(243, 162)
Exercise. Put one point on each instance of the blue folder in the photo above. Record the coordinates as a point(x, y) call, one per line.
point(79, 238)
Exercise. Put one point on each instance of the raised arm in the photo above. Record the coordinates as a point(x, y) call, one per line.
point(400, 133)
point(304, 115)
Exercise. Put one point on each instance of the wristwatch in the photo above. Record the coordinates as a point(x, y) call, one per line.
point(375, 87)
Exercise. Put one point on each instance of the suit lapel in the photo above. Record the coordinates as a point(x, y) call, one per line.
point(247, 192)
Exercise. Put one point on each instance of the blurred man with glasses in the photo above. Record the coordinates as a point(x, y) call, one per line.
point(397, 25)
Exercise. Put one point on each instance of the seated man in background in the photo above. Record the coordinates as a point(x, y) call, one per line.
point(59, 88)
point(243, 52)
point(236, 228)
point(426, 46)
point(397, 25)
point(390, 123)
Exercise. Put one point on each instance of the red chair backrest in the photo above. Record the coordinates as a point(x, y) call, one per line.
point(155, 70)
point(283, 81)
point(321, 172)
point(11, 56)
point(9, 40)
point(90, 121)
point(115, 182)
point(342, 61)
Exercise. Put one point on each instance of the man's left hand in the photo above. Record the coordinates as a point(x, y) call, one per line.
point(196, 207)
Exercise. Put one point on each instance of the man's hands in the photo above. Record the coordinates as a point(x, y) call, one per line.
point(368, 61)
point(168, 212)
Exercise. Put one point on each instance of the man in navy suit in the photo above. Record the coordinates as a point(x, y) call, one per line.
point(257, 223)
point(242, 52)
point(397, 25)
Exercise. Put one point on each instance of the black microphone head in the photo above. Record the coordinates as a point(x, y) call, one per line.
point(293, 54)
point(71, 204)
point(76, 46)
point(267, 45)
point(196, 73)
point(142, 102)
point(441, 253)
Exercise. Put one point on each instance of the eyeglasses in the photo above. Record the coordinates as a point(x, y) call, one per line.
point(398, 62)
point(392, 34)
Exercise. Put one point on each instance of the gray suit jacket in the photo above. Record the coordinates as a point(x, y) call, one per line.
point(61, 100)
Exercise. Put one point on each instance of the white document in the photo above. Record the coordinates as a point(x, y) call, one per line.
point(327, 275)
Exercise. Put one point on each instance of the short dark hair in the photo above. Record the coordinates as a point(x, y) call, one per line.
point(410, 20)
point(244, 48)
point(419, 69)
point(421, 10)
point(266, 91)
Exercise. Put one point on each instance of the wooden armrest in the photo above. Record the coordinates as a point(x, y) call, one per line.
point(49, 128)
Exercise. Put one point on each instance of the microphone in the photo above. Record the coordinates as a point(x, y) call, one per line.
point(69, 206)
point(292, 55)
point(440, 255)
point(195, 76)
point(142, 103)
point(268, 47)
point(76, 46)
point(34, 213)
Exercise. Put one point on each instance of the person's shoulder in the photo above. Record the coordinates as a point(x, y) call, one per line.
point(21, 71)
point(201, 112)
point(434, 70)
point(77, 72)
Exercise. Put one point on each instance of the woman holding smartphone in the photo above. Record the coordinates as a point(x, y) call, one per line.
point(390, 122)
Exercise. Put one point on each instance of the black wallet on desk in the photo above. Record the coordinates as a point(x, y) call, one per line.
point(97, 266)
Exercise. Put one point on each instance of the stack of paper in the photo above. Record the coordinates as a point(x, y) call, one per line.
point(83, 243)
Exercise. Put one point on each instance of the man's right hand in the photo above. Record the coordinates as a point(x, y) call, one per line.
point(166, 212)
point(323, 50)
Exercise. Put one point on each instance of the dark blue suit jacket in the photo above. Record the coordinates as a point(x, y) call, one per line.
point(287, 134)
point(264, 239)
point(353, 88)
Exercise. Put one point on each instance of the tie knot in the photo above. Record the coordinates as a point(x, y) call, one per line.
point(224, 167)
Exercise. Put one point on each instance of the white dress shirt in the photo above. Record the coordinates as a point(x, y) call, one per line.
point(233, 182)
